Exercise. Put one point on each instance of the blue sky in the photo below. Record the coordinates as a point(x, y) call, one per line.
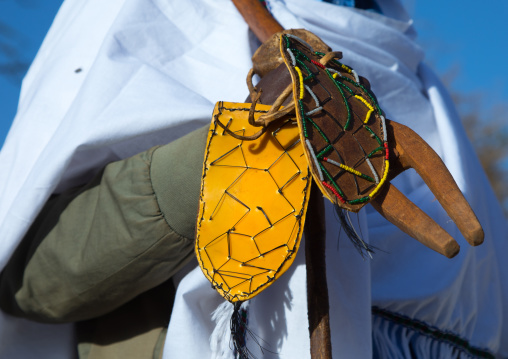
point(470, 37)
point(29, 20)
point(459, 35)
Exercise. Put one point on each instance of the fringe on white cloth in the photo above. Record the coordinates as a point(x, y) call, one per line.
point(396, 336)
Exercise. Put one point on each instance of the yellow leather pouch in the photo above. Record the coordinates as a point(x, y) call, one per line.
point(253, 201)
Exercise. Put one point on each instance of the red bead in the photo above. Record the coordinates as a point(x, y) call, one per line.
point(318, 64)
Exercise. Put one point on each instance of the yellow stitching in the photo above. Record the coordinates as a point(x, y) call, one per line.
point(349, 169)
point(301, 81)
point(385, 176)
point(348, 70)
point(369, 106)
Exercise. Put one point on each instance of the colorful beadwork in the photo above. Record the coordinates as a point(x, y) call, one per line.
point(362, 119)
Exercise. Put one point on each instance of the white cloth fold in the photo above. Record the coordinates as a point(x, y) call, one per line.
point(151, 71)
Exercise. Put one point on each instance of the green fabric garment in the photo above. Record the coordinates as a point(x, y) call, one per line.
point(94, 249)
point(135, 330)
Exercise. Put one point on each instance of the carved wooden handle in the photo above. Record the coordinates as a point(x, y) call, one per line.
point(262, 24)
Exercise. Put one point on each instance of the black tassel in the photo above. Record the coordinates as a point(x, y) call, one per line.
point(358, 242)
point(239, 331)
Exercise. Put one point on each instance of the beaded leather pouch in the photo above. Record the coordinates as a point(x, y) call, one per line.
point(341, 125)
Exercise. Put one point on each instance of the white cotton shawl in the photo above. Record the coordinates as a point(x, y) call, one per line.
point(151, 71)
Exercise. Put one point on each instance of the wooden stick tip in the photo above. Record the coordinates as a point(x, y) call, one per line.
point(451, 249)
point(475, 236)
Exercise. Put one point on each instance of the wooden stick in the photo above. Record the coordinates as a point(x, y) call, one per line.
point(413, 152)
point(317, 288)
point(264, 26)
point(260, 21)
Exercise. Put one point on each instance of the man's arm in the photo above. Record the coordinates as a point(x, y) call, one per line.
point(95, 248)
